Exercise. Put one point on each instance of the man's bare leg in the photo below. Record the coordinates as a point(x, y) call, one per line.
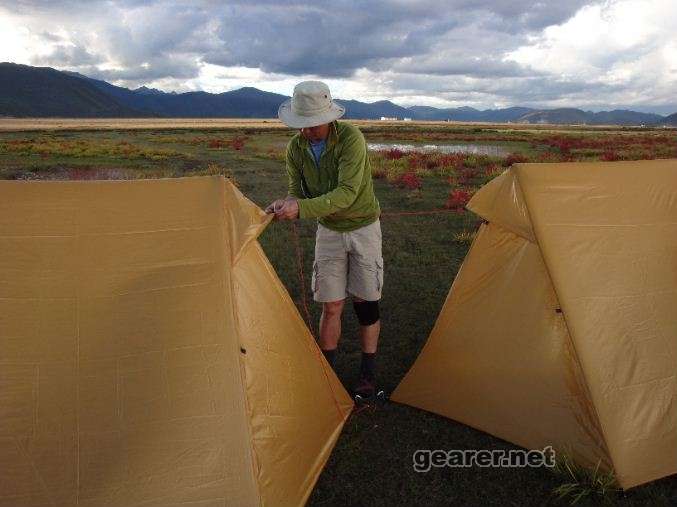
point(330, 329)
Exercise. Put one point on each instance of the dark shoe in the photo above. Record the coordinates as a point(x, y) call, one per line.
point(365, 391)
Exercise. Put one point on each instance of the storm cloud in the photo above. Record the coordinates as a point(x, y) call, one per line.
point(484, 53)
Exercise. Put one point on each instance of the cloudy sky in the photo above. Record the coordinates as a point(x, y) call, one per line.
point(481, 53)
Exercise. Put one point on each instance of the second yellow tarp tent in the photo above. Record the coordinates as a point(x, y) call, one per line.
point(561, 326)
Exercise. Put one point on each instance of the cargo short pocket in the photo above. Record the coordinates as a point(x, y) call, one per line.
point(313, 280)
point(379, 274)
point(329, 279)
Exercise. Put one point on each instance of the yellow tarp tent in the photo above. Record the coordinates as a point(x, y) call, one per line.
point(561, 326)
point(149, 355)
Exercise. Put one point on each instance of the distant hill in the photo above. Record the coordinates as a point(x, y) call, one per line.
point(374, 110)
point(469, 114)
point(243, 103)
point(42, 91)
point(571, 116)
point(670, 120)
point(509, 114)
point(27, 91)
point(625, 117)
point(425, 112)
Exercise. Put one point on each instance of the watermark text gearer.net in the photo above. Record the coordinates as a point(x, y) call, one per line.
point(425, 459)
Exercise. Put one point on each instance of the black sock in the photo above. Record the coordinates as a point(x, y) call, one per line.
point(330, 356)
point(368, 365)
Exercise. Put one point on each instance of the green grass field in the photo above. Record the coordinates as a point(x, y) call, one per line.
point(372, 462)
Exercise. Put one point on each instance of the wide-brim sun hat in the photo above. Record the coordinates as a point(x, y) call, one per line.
point(311, 105)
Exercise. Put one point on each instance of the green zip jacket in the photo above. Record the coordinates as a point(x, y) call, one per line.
point(340, 192)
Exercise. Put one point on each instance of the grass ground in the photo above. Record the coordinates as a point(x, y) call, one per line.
point(372, 462)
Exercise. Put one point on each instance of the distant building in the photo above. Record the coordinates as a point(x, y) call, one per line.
point(407, 119)
point(388, 118)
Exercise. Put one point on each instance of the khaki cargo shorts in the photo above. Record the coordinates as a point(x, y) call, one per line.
point(348, 263)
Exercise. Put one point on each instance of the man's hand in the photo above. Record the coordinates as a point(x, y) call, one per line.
point(289, 210)
point(275, 206)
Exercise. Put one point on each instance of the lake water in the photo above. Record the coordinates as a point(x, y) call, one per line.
point(475, 149)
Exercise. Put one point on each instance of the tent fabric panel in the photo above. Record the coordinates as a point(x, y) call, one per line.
point(608, 233)
point(119, 346)
point(500, 353)
point(296, 404)
point(501, 201)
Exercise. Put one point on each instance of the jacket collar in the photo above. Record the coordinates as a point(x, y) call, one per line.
point(332, 138)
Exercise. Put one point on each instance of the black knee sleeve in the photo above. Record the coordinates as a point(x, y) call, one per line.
point(367, 312)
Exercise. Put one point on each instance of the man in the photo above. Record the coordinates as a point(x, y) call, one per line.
point(330, 180)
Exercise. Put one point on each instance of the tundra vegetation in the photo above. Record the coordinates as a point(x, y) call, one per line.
point(372, 463)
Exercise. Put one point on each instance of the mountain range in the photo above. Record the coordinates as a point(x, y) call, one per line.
point(27, 91)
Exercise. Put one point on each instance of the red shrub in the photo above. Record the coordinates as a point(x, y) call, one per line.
point(454, 160)
point(465, 175)
point(548, 156)
point(409, 181)
point(457, 200)
point(237, 143)
point(564, 143)
point(416, 161)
